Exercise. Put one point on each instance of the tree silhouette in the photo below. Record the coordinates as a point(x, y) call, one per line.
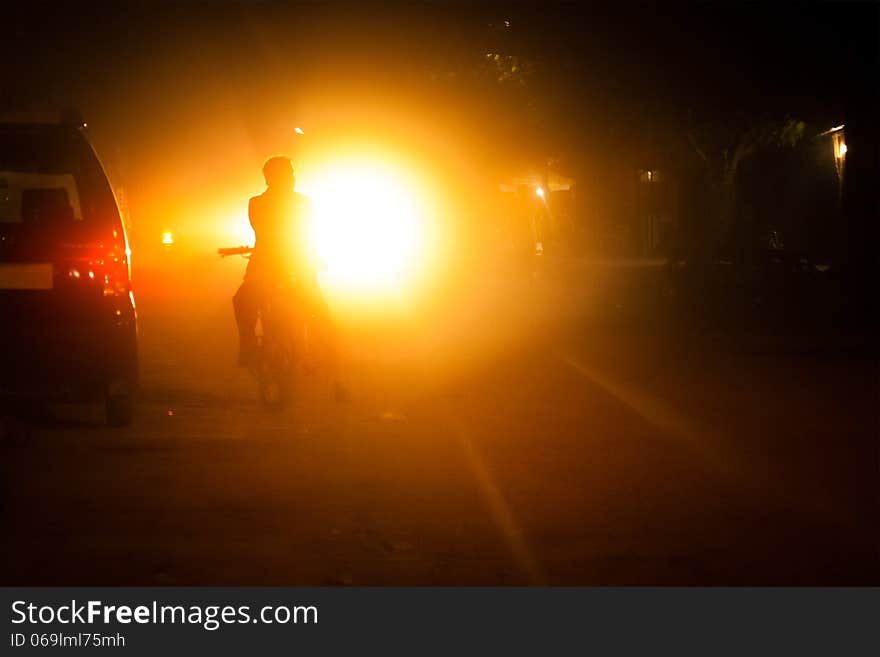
point(722, 146)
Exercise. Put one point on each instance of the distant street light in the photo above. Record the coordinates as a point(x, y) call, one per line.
point(540, 192)
point(839, 149)
point(299, 131)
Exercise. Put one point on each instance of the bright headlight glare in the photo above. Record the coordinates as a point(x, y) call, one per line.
point(368, 229)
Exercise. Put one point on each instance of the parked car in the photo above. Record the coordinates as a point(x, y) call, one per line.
point(68, 323)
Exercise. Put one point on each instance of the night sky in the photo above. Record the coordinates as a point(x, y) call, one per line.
point(785, 57)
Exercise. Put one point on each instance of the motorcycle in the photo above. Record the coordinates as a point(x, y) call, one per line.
point(283, 338)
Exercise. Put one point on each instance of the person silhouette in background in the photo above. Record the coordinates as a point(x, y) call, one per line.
point(280, 217)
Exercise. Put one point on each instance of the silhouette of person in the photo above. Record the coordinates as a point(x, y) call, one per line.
point(280, 218)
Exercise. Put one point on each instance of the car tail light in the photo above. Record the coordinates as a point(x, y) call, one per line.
point(100, 263)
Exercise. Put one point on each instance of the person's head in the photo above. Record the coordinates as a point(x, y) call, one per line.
point(278, 172)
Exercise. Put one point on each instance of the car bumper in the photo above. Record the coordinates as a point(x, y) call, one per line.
point(69, 358)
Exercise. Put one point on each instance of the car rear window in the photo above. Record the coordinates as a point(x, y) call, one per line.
point(27, 197)
point(52, 175)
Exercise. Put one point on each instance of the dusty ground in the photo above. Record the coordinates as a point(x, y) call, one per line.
point(518, 440)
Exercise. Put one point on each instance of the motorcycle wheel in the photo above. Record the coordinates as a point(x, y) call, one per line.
point(274, 392)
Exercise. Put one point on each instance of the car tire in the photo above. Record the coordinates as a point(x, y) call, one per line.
point(119, 409)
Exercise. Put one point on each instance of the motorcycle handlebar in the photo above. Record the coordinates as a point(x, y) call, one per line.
point(235, 250)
